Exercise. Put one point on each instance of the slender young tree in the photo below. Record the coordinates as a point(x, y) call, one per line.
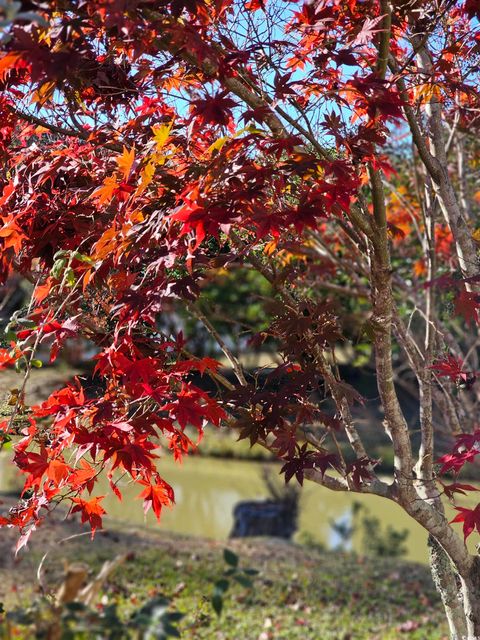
point(147, 148)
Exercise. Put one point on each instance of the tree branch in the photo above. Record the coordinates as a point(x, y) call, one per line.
point(74, 133)
point(236, 366)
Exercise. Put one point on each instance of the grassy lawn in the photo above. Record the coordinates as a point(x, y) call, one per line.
point(299, 593)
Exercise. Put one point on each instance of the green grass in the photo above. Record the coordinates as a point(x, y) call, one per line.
point(224, 443)
point(300, 593)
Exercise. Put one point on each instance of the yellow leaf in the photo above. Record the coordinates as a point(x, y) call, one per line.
point(476, 235)
point(270, 247)
point(217, 145)
point(136, 217)
point(425, 92)
point(159, 158)
point(286, 257)
point(43, 93)
point(146, 176)
point(161, 133)
point(125, 162)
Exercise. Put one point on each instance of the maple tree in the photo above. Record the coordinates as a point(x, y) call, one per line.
point(148, 148)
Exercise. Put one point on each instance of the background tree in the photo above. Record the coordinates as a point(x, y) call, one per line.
point(331, 147)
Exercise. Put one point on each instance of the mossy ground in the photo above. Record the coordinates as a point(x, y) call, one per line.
point(300, 593)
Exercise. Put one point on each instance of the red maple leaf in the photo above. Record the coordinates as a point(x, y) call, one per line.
point(84, 476)
point(9, 356)
point(450, 367)
point(470, 519)
point(285, 441)
point(91, 510)
point(361, 471)
point(36, 464)
point(466, 305)
point(214, 109)
point(132, 456)
point(455, 461)
point(156, 496)
point(254, 5)
point(456, 487)
point(307, 459)
point(472, 8)
point(367, 31)
point(199, 364)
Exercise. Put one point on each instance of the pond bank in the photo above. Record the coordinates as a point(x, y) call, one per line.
point(207, 490)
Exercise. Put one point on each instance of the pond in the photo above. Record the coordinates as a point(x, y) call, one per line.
point(207, 490)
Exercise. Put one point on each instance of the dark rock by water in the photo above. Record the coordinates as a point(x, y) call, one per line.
point(264, 518)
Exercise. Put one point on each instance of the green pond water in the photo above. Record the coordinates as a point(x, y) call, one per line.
point(207, 489)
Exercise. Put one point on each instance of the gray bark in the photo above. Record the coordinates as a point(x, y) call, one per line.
point(445, 581)
point(471, 599)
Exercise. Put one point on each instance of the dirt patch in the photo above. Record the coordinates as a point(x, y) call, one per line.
point(40, 384)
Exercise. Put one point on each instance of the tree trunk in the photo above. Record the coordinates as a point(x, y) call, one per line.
point(449, 588)
point(471, 600)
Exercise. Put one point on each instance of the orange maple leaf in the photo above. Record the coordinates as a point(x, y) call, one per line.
point(84, 476)
point(105, 193)
point(8, 62)
point(57, 471)
point(156, 496)
point(12, 234)
point(125, 162)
